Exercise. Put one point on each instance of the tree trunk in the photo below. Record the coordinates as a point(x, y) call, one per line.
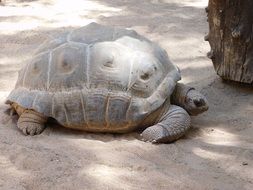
point(231, 38)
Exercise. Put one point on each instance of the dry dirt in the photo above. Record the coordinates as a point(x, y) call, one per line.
point(216, 154)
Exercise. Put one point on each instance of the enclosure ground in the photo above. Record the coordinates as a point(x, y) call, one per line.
point(216, 154)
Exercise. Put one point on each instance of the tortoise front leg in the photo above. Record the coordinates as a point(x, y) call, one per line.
point(190, 99)
point(31, 122)
point(172, 125)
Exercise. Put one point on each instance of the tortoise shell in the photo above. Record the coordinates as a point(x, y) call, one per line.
point(96, 78)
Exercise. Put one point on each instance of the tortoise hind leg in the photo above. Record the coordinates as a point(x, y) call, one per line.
point(31, 122)
point(172, 125)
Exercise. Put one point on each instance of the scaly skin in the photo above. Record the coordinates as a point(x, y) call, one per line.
point(176, 121)
point(190, 99)
point(30, 122)
point(171, 126)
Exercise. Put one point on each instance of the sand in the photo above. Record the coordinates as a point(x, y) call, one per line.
point(216, 154)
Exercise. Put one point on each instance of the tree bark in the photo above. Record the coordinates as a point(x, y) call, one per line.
point(231, 38)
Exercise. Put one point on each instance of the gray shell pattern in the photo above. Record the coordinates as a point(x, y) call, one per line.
point(96, 78)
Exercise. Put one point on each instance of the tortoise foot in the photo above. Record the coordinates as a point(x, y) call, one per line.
point(171, 126)
point(154, 134)
point(31, 123)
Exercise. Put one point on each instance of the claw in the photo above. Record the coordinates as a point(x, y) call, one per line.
point(25, 132)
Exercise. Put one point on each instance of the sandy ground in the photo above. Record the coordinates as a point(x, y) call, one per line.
point(216, 154)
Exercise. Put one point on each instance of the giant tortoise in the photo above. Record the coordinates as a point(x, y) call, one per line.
point(104, 79)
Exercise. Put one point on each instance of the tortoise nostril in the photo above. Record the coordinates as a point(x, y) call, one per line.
point(199, 103)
